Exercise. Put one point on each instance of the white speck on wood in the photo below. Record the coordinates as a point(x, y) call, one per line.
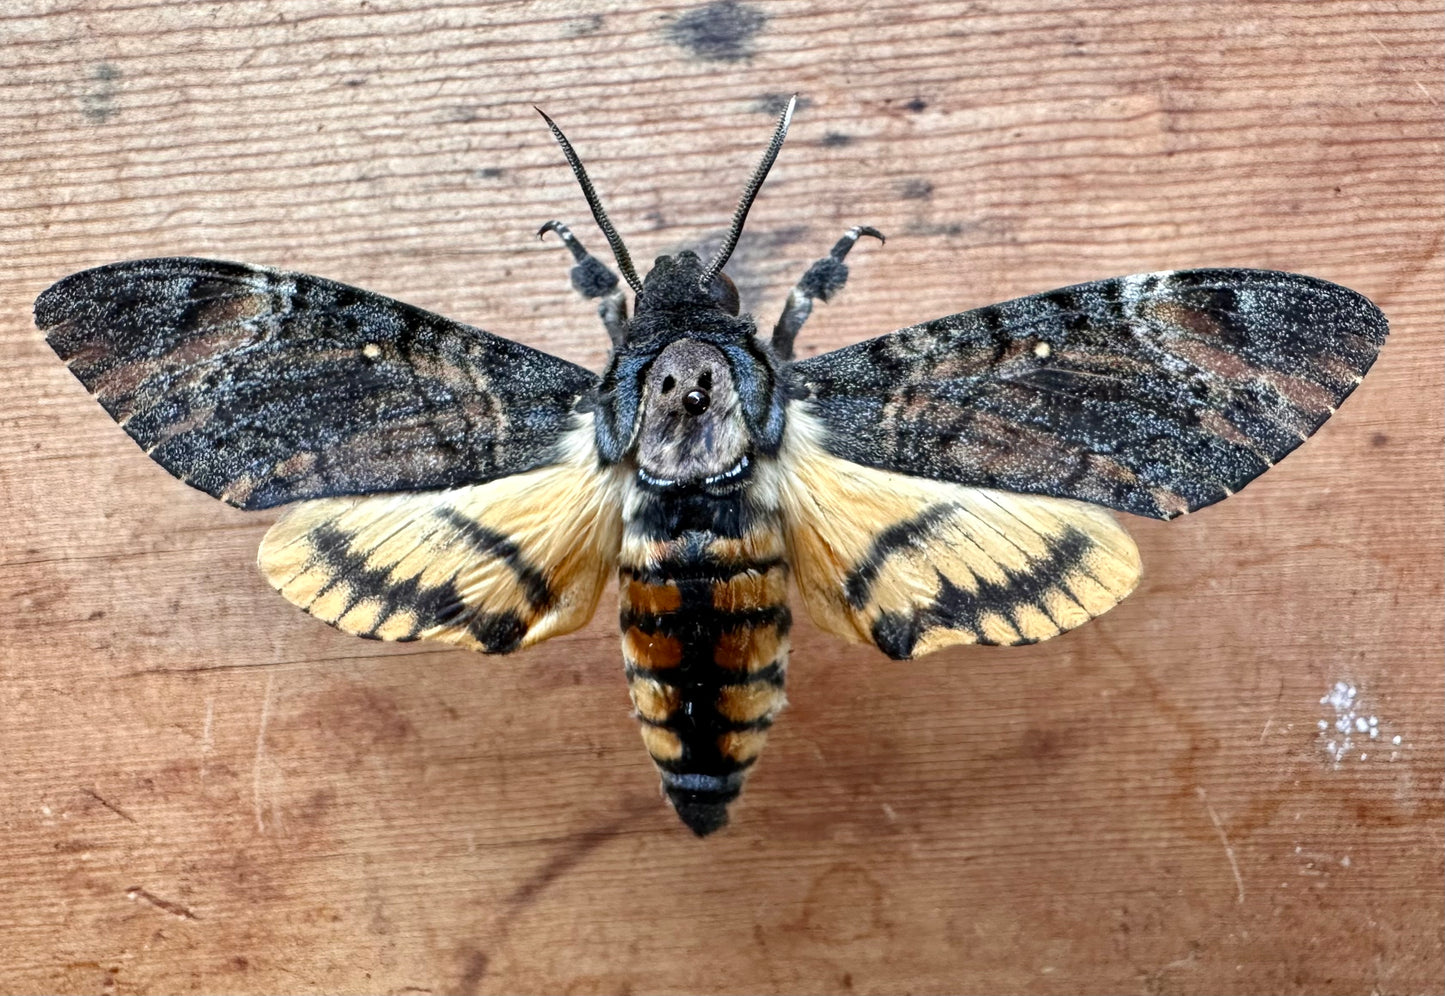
point(1350, 719)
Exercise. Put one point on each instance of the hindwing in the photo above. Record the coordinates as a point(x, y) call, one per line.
point(490, 567)
point(913, 565)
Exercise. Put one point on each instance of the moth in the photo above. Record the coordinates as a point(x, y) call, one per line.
point(948, 483)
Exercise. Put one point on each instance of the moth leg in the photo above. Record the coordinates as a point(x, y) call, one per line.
point(592, 278)
point(824, 278)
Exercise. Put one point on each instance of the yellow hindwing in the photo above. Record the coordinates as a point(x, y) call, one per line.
point(913, 565)
point(490, 567)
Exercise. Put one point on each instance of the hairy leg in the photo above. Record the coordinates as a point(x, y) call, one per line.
point(824, 278)
point(593, 279)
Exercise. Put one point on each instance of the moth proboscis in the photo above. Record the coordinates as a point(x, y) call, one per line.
point(947, 483)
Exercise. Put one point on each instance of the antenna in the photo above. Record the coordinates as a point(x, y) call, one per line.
point(755, 182)
point(619, 251)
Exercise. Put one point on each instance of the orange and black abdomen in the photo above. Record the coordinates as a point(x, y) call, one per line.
point(705, 641)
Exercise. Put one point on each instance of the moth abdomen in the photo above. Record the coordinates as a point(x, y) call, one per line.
point(705, 641)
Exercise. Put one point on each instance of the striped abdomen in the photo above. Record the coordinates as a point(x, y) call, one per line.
point(705, 641)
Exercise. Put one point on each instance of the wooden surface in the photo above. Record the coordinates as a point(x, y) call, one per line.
point(203, 790)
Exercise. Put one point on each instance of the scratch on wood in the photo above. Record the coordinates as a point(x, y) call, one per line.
point(1154, 981)
point(263, 665)
point(174, 909)
point(1177, 963)
point(260, 761)
point(250, 666)
point(108, 804)
point(206, 741)
point(1223, 839)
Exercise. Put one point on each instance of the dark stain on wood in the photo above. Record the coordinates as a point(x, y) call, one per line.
point(474, 970)
point(719, 32)
point(772, 104)
point(97, 103)
point(915, 188)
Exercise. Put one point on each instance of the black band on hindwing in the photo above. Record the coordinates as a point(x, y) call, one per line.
point(896, 634)
point(440, 603)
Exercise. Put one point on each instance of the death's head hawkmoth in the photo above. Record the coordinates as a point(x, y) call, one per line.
point(947, 483)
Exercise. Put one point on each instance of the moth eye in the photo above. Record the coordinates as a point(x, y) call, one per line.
point(695, 402)
point(668, 383)
point(724, 293)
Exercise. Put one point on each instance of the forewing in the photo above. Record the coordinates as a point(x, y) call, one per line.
point(913, 565)
point(262, 387)
point(489, 567)
point(1154, 394)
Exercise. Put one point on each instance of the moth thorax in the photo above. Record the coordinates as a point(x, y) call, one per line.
point(692, 426)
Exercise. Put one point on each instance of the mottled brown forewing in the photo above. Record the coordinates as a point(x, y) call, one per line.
point(1155, 394)
point(262, 387)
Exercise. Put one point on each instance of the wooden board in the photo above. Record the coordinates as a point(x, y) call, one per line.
point(205, 791)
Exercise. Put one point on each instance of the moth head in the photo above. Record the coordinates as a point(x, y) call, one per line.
point(691, 430)
point(686, 324)
point(677, 283)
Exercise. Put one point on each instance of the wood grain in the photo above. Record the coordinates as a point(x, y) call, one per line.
point(205, 791)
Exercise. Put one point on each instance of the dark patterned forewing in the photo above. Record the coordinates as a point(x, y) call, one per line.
point(1154, 394)
point(262, 387)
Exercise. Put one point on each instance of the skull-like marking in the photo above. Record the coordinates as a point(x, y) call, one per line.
point(692, 428)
